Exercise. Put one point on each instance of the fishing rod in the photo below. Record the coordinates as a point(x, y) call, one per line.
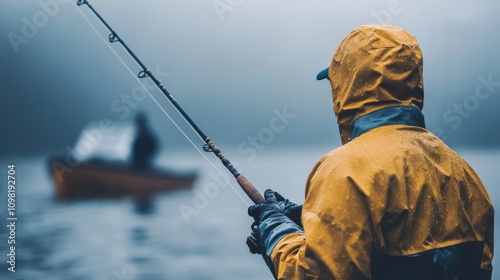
point(209, 146)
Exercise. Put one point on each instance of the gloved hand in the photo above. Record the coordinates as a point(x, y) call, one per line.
point(290, 209)
point(270, 226)
point(253, 241)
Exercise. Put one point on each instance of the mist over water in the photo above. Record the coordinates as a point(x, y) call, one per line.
point(231, 68)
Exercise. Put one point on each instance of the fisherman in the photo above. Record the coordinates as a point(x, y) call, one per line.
point(394, 202)
point(145, 145)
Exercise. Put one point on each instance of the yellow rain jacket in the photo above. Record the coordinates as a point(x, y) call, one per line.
point(394, 202)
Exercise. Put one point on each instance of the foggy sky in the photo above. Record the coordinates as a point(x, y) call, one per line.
point(234, 70)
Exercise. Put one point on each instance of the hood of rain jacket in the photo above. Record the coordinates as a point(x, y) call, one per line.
point(375, 67)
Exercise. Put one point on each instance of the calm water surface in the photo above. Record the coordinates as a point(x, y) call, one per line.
point(116, 240)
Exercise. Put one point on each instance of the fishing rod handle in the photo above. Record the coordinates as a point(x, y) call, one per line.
point(250, 190)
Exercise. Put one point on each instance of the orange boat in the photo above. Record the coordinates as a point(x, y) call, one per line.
point(90, 180)
point(104, 168)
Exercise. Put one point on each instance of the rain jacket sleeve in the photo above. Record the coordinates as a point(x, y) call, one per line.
point(338, 229)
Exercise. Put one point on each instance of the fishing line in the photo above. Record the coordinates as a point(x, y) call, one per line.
point(157, 103)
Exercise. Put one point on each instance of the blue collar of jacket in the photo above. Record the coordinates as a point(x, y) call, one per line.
point(406, 115)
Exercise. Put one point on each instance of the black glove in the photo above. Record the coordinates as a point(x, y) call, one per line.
point(253, 241)
point(290, 209)
point(271, 224)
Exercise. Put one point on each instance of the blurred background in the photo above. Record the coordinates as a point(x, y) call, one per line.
point(245, 72)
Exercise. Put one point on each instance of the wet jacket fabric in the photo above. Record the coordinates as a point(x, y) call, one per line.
point(393, 202)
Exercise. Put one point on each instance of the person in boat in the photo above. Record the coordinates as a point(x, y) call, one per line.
point(394, 201)
point(145, 144)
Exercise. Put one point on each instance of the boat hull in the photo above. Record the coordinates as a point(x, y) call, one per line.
point(98, 180)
